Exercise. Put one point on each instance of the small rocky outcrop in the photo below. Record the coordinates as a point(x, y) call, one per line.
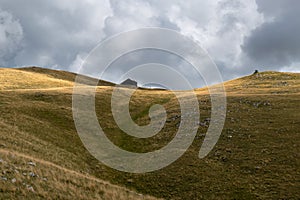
point(129, 82)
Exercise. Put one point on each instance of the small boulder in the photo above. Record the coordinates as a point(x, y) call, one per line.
point(31, 163)
point(30, 188)
point(32, 174)
point(255, 72)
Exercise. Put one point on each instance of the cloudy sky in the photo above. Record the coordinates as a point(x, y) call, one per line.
point(239, 35)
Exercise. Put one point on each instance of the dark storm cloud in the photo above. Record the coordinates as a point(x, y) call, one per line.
point(276, 43)
point(54, 32)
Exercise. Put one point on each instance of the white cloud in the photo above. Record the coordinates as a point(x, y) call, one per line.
point(11, 35)
point(228, 22)
point(219, 26)
point(76, 64)
point(60, 33)
point(295, 67)
point(129, 15)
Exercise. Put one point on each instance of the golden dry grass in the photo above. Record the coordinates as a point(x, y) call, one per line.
point(28, 80)
point(256, 157)
point(47, 180)
point(60, 172)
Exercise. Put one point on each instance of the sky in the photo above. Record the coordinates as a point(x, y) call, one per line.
point(240, 36)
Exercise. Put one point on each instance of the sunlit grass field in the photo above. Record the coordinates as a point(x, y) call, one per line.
point(257, 155)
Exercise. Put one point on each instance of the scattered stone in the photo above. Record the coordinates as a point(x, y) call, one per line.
point(264, 151)
point(224, 158)
point(4, 178)
point(44, 179)
point(129, 180)
point(13, 180)
point(31, 163)
point(217, 153)
point(201, 135)
point(32, 174)
point(257, 167)
point(24, 174)
point(175, 117)
point(283, 83)
point(39, 95)
point(30, 188)
point(1, 161)
point(228, 150)
point(202, 124)
point(207, 120)
point(256, 104)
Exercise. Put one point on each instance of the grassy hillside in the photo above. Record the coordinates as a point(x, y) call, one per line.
point(41, 156)
point(256, 157)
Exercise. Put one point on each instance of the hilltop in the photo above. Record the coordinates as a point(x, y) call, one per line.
point(39, 78)
point(266, 83)
point(256, 157)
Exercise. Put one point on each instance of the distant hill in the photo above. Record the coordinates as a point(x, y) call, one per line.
point(61, 75)
point(257, 156)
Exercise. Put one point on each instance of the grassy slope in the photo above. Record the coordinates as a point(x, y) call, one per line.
point(35, 126)
point(256, 157)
